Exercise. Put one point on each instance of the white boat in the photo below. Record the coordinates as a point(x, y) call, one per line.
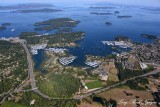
point(13, 30)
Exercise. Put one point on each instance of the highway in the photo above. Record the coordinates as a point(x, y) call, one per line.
point(30, 70)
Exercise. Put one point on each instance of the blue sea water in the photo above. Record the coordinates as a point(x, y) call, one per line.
point(144, 20)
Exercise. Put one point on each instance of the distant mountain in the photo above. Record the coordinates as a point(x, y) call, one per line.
point(105, 7)
point(37, 10)
point(27, 5)
point(151, 8)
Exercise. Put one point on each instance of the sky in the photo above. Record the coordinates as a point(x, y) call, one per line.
point(152, 3)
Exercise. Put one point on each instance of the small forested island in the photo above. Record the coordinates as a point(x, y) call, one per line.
point(6, 24)
point(126, 16)
point(149, 36)
point(26, 6)
point(104, 7)
point(56, 24)
point(37, 10)
point(108, 23)
point(122, 38)
point(97, 13)
point(116, 12)
point(2, 28)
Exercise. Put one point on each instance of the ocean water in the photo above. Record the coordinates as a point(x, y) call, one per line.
point(144, 20)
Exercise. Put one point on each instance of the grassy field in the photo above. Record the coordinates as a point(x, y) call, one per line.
point(59, 85)
point(11, 104)
point(94, 84)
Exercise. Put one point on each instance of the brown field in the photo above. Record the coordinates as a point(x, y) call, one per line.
point(119, 95)
point(112, 71)
point(88, 103)
point(121, 98)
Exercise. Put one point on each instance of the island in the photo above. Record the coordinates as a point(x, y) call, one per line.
point(97, 13)
point(122, 38)
point(26, 6)
point(149, 36)
point(6, 24)
point(108, 23)
point(103, 7)
point(125, 16)
point(47, 10)
point(2, 28)
point(56, 24)
point(116, 12)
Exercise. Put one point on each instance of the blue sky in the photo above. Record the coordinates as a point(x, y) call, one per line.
point(130, 2)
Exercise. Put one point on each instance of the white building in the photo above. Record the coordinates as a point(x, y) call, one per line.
point(143, 66)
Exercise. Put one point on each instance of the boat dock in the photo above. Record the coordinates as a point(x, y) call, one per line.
point(35, 48)
point(67, 60)
point(56, 50)
point(93, 64)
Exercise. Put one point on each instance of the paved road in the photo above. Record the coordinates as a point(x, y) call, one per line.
point(30, 65)
point(79, 97)
point(31, 72)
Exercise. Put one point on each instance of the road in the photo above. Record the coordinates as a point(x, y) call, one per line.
point(30, 65)
point(79, 97)
point(30, 70)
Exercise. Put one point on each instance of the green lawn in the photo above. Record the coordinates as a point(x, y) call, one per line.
point(94, 84)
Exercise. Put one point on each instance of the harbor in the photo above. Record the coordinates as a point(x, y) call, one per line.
point(35, 48)
point(57, 50)
point(93, 64)
point(67, 60)
point(121, 44)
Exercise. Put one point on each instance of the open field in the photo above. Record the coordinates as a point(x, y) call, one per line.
point(94, 84)
point(11, 104)
point(119, 94)
point(59, 85)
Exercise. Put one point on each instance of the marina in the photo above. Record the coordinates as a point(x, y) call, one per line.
point(93, 64)
point(67, 60)
point(35, 48)
point(57, 50)
point(122, 44)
